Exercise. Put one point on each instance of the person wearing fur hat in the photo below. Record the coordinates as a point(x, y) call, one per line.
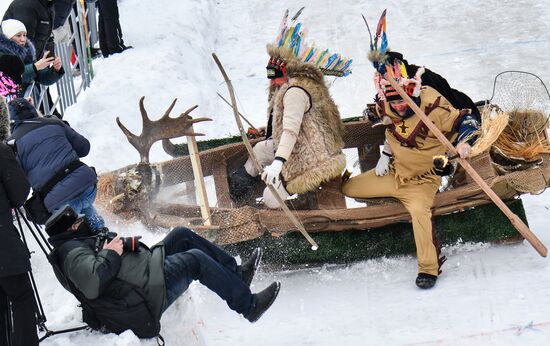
point(15, 285)
point(14, 41)
point(304, 132)
point(47, 148)
point(405, 169)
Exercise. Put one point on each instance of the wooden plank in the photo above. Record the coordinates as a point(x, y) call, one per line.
point(199, 179)
point(219, 173)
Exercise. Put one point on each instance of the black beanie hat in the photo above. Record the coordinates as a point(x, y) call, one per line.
point(61, 221)
point(13, 67)
point(20, 109)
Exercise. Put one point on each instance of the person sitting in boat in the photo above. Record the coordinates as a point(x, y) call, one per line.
point(304, 130)
point(405, 169)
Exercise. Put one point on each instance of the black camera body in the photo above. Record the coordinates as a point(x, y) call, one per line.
point(129, 244)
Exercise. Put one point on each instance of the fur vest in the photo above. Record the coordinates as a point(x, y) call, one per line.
point(317, 156)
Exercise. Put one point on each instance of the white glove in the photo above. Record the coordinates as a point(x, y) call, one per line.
point(61, 35)
point(464, 149)
point(383, 165)
point(271, 173)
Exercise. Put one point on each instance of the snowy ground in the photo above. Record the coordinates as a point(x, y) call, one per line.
point(488, 295)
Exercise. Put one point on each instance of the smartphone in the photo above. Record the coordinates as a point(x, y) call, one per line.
point(50, 47)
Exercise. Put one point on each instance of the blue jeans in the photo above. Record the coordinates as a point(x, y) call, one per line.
point(190, 257)
point(84, 204)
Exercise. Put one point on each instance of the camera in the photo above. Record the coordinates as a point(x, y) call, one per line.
point(129, 244)
point(62, 220)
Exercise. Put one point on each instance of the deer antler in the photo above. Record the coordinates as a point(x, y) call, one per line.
point(164, 128)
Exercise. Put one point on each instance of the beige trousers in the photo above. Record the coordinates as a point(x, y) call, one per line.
point(417, 199)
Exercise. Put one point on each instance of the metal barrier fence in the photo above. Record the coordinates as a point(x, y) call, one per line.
point(78, 74)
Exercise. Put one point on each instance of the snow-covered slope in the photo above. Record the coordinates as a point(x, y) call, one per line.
point(488, 295)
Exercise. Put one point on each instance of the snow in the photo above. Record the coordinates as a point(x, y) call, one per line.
point(487, 295)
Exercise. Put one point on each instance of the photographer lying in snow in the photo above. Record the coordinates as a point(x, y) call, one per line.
point(122, 289)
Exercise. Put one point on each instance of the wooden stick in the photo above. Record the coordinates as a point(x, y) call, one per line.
point(242, 116)
point(514, 219)
point(199, 178)
point(259, 167)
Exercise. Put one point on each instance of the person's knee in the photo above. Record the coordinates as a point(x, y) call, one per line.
point(270, 200)
point(418, 210)
point(182, 233)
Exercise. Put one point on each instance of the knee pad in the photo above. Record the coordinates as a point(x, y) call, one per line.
point(270, 200)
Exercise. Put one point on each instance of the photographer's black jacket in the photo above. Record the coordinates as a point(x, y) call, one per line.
point(102, 274)
point(14, 189)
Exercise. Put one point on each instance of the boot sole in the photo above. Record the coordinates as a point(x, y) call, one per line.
point(269, 304)
point(255, 267)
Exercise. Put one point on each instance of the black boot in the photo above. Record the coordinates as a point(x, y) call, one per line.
point(242, 185)
point(425, 281)
point(262, 301)
point(248, 269)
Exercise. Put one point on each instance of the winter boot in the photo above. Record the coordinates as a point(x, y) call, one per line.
point(242, 185)
point(248, 269)
point(425, 281)
point(261, 301)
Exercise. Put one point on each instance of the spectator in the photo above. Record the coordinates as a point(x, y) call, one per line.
point(110, 32)
point(37, 15)
point(61, 29)
point(15, 286)
point(13, 41)
point(49, 151)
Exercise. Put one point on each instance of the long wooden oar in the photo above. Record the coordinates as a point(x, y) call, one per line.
point(514, 219)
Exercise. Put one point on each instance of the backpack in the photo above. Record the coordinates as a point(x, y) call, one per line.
point(128, 309)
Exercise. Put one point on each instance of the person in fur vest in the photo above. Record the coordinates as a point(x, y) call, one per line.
point(13, 41)
point(405, 169)
point(304, 142)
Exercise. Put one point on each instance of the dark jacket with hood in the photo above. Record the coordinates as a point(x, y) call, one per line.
point(14, 189)
point(47, 76)
point(105, 274)
point(37, 15)
point(48, 145)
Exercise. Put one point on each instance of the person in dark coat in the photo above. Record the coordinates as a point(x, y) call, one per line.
point(13, 41)
point(46, 146)
point(62, 32)
point(37, 15)
point(15, 286)
point(109, 30)
point(162, 273)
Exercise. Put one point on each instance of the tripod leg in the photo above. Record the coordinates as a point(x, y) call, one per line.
point(6, 337)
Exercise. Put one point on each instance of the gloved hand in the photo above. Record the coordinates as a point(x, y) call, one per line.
point(383, 165)
point(61, 34)
point(271, 173)
point(464, 149)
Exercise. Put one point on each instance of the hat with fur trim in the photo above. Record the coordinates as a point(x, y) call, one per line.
point(4, 120)
point(11, 27)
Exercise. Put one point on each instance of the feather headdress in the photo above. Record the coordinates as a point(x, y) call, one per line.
point(396, 69)
point(291, 44)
